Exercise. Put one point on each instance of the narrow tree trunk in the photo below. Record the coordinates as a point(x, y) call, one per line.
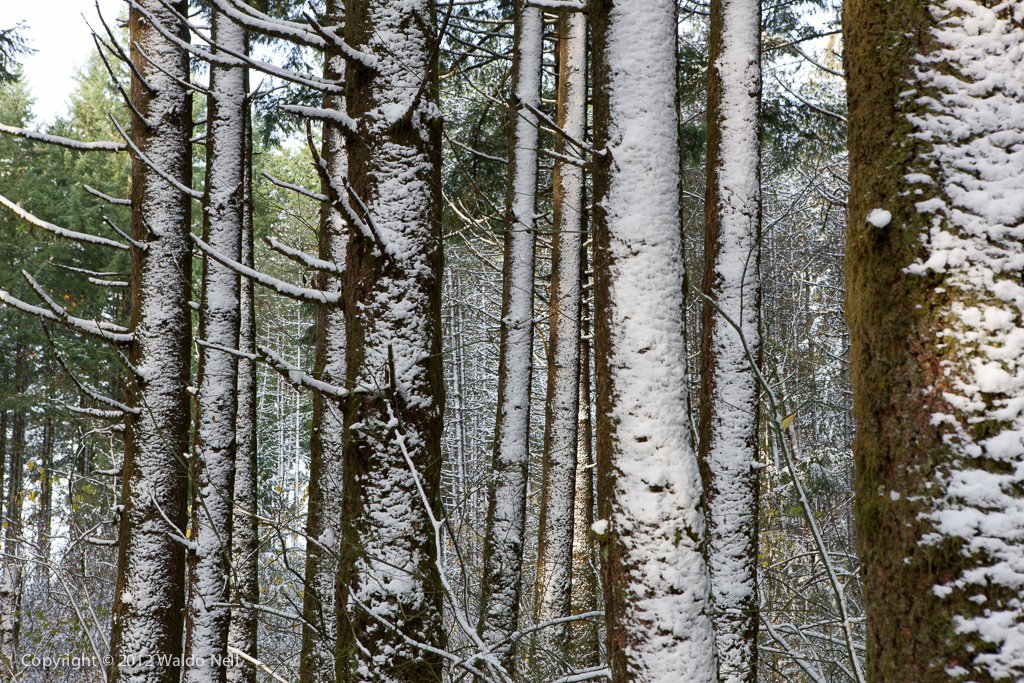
point(585, 635)
point(11, 564)
point(245, 536)
point(150, 589)
point(506, 511)
point(555, 533)
point(729, 389)
point(656, 582)
point(389, 585)
point(213, 465)
point(323, 522)
point(934, 261)
point(44, 513)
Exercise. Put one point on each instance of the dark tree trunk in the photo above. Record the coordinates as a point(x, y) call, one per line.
point(933, 268)
point(389, 588)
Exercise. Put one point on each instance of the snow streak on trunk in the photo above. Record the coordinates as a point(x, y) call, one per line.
point(934, 264)
point(213, 465)
point(584, 635)
point(323, 523)
point(555, 542)
point(11, 565)
point(389, 597)
point(245, 541)
point(150, 591)
point(657, 587)
point(728, 407)
point(506, 511)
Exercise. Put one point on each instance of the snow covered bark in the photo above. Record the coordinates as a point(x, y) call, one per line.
point(558, 481)
point(584, 635)
point(934, 303)
point(506, 509)
point(728, 406)
point(12, 563)
point(245, 541)
point(656, 583)
point(150, 591)
point(213, 462)
point(389, 597)
point(323, 521)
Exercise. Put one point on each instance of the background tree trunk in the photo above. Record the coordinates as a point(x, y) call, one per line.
point(323, 521)
point(213, 463)
point(245, 537)
point(561, 429)
point(501, 585)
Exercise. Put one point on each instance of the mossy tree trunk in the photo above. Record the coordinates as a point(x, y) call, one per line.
point(934, 262)
point(389, 591)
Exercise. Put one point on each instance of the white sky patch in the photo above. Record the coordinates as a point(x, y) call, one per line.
point(57, 31)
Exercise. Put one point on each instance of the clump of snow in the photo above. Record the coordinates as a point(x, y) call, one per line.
point(879, 218)
point(600, 527)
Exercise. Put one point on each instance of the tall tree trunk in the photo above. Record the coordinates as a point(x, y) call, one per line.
point(44, 513)
point(657, 588)
point(561, 429)
point(11, 564)
point(934, 261)
point(323, 522)
point(245, 536)
point(506, 511)
point(150, 591)
point(729, 389)
point(4, 423)
point(213, 465)
point(389, 585)
point(584, 635)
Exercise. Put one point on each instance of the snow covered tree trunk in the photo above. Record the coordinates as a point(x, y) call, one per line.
point(150, 589)
point(934, 261)
point(213, 462)
point(389, 585)
point(585, 597)
point(729, 390)
point(561, 429)
point(44, 513)
point(506, 511)
point(11, 564)
point(656, 582)
point(245, 538)
point(323, 523)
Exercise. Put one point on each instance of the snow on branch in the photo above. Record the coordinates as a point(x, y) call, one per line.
point(322, 114)
point(78, 324)
point(298, 378)
point(298, 189)
point(550, 123)
point(302, 257)
point(85, 238)
point(95, 412)
point(364, 59)
point(258, 22)
point(225, 57)
point(106, 197)
point(141, 156)
point(307, 294)
point(101, 146)
point(572, 5)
